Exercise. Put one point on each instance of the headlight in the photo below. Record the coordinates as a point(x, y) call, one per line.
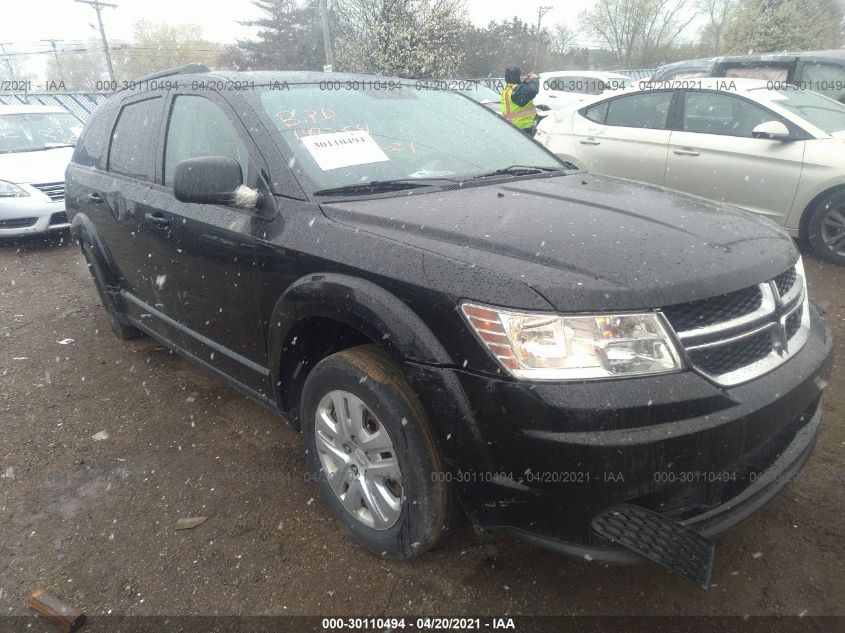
point(11, 190)
point(556, 347)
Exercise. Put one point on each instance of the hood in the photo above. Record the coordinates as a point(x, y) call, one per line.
point(35, 167)
point(840, 135)
point(586, 242)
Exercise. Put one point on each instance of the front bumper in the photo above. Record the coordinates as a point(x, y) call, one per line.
point(542, 460)
point(35, 213)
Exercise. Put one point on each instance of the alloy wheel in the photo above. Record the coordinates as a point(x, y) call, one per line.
point(833, 230)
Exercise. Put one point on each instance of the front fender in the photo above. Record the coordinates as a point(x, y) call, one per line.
point(363, 305)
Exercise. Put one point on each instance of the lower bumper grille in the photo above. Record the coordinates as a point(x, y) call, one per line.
point(18, 223)
point(58, 218)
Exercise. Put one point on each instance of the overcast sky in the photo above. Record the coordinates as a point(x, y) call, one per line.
point(25, 23)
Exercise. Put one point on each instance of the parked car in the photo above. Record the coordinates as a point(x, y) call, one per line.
point(560, 89)
point(819, 71)
point(451, 316)
point(36, 143)
point(774, 152)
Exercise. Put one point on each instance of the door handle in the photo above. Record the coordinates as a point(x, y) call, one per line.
point(157, 219)
point(95, 198)
point(686, 151)
point(589, 141)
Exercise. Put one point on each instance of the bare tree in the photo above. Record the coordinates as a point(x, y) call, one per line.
point(638, 31)
point(717, 12)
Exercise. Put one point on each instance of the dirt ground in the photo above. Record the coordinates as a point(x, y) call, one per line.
point(93, 520)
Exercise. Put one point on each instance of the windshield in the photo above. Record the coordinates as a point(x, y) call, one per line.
point(480, 93)
point(345, 138)
point(33, 131)
point(826, 114)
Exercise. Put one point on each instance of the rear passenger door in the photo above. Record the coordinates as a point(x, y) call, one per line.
point(626, 136)
point(211, 271)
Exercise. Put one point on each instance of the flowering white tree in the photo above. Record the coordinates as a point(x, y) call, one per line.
point(407, 38)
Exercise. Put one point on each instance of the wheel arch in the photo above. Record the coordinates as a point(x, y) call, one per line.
point(811, 206)
point(321, 314)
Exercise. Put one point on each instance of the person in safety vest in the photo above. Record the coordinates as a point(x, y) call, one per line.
point(518, 98)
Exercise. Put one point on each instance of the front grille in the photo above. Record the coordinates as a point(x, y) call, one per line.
point(54, 190)
point(734, 338)
point(17, 223)
point(732, 356)
point(785, 281)
point(60, 217)
point(716, 310)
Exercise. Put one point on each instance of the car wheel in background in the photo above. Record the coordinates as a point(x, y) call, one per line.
point(121, 330)
point(370, 445)
point(826, 228)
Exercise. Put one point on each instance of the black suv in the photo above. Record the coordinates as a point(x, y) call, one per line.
point(452, 316)
point(819, 71)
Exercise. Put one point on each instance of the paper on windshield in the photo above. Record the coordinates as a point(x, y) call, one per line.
point(344, 149)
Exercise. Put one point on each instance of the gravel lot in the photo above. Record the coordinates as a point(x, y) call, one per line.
point(93, 520)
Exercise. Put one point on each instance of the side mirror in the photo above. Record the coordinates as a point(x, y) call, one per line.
point(212, 180)
point(772, 130)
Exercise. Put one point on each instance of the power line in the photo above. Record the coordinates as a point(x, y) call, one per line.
point(98, 7)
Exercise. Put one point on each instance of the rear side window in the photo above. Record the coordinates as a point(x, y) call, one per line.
point(91, 150)
point(133, 140)
point(597, 113)
point(198, 127)
point(774, 72)
point(644, 110)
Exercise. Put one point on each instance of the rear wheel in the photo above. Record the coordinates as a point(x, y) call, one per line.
point(121, 330)
point(826, 228)
point(370, 445)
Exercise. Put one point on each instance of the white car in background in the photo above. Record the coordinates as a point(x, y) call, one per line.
point(560, 89)
point(36, 144)
point(780, 153)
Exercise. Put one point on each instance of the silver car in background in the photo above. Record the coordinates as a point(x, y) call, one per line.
point(36, 144)
point(762, 146)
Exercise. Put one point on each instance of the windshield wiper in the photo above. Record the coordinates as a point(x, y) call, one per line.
point(382, 186)
point(34, 149)
point(519, 170)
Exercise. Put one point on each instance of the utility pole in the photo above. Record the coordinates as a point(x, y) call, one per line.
point(327, 38)
point(6, 57)
point(98, 6)
point(540, 13)
point(56, 55)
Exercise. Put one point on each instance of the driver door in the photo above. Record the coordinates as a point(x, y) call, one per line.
point(211, 269)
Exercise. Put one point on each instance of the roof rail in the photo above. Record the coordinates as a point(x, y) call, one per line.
point(188, 69)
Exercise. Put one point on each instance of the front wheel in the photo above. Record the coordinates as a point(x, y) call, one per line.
point(826, 228)
point(371, 447)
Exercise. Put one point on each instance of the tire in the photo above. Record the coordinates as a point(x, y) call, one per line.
point(826, 228)
point(121, 330)
point(391, 500)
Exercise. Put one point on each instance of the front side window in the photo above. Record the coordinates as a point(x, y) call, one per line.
point(198, 127)
point(385, 131)
point(133, 139)
point(35, 131)
point(644, 110)
point(826, 114)
point(718, 113)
